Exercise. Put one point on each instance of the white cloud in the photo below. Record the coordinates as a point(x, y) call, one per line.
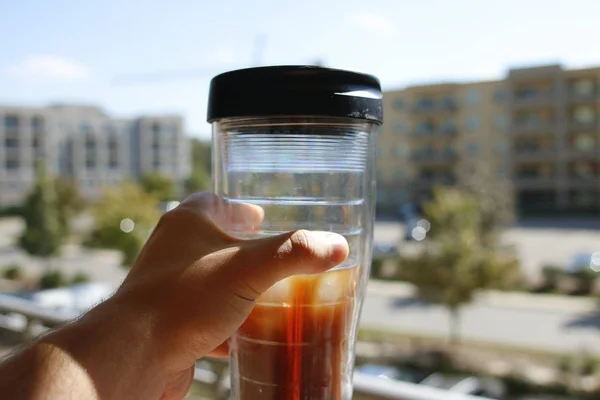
point(373, 22)
point(47, 67)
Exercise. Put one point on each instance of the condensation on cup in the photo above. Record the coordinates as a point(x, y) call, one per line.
point(298, 142)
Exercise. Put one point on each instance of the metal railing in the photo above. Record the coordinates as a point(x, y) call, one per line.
point(34, 320)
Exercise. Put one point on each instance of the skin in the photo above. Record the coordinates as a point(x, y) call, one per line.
point(190, 289)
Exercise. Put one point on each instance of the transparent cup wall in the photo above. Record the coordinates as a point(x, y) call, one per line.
point(305, 173)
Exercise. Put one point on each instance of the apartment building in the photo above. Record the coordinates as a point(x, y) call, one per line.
point(537, 129)
point(85, 144)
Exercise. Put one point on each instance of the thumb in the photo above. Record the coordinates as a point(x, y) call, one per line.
point(263, 262)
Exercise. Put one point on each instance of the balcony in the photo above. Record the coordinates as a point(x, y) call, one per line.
point(535, 181)
point(582, 98)
point(534, 99)
point(434, 132)
point(583, 181)
point(579, 126)
point(529, 153)
point(427, 182)
point(430, 157)
point(532, 127)
point(435, 106)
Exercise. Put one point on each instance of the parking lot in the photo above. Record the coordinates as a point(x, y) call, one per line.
point(536, 244)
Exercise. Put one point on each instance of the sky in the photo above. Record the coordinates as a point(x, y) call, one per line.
point(134, 57)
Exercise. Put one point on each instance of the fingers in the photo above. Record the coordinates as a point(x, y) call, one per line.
point(222, 351)
point(260, 263)
point(244, 216)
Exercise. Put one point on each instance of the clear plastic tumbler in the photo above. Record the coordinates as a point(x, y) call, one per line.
point(300, 143)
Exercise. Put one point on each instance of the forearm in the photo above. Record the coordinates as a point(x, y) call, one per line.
point(105, 355)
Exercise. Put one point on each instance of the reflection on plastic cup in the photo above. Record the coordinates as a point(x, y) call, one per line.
point(595, 262)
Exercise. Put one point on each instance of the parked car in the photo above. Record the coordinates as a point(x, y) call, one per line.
point(467, 384)
point(582, 261)
point(547, 397)
point(388, 372)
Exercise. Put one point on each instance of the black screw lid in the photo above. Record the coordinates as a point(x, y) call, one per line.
point(295, 90)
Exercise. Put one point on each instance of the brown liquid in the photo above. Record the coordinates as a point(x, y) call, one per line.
point(295, 343)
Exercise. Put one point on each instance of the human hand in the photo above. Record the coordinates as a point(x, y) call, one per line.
point(193, 285)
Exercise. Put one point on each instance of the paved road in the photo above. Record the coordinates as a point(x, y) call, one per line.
point(572, 327)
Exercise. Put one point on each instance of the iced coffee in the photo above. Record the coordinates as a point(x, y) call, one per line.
point(295, 344)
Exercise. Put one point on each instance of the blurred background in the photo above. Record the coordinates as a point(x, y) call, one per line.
point(487, 240)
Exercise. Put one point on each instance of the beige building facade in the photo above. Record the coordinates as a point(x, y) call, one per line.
point(85, 144)
point(537, 130)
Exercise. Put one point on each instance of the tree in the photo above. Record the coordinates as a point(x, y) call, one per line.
point(44, 231)
point(201, 166)
point(123, 219)
point(69, 201)
point(197, 182)
point(160, 186)
point(460, 255)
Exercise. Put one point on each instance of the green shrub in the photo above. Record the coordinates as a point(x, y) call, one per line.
point(80, 277)
point(588, 366)
point(52, 279)
point(376, 268)
point(551, 275)
point(14, 272)
point(585, 280)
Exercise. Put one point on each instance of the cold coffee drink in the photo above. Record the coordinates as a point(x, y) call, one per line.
point(295, 343)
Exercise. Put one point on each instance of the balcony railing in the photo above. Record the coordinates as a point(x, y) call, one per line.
point(18, 316)
point(575, 126)
point(535, 154)
point(445, 105)
point(577, 98)
point(436, 181)
point(447, 131)
point(540, 99)
point(532, 127)
point(535, 181)
point(434, 157)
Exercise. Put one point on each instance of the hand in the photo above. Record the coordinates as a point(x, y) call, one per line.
point(192, 285)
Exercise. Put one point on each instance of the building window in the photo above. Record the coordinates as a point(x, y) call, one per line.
point(425, 127)
point(399, 174)
point(584, 114)
point(85, 128)
point(401, 150)
point(473, 97)
point(583, 87)
point(11, 165)
point(90, 143)
point(500, 95)
point(501, 121)
point(584, 142)
point(155, 129)
point(473, 148)
point(37, 123)
point(526, 93)
point(472, 123)
point(11, 122)
point(11, 142)
point(398, 104)
point(37, 140)
point(425, 103)
point(399, 127)
point(501, 147)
